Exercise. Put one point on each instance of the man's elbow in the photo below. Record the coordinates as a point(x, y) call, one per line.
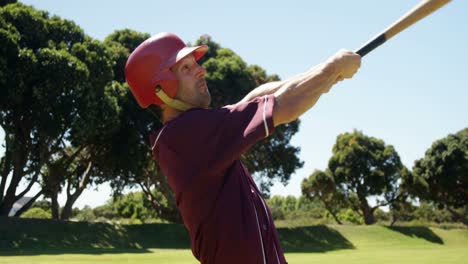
point(283, 113)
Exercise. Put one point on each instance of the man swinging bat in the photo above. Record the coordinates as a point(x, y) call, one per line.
point(199, 148)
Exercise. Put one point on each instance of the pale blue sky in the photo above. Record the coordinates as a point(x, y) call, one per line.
point(409, 92)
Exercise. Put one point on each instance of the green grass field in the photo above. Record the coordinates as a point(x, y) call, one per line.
point(42, 241)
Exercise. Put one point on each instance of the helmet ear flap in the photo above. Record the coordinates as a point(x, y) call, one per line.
point(166, 90)
point(167, 81)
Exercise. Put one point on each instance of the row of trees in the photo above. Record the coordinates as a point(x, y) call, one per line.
point(70, 120)
point(364, 167)
point(135, 208)
point(304, 210)
point(377, 179)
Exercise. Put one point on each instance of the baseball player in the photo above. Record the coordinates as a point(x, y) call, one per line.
point(199, 148)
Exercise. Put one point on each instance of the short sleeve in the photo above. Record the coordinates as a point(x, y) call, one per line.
point(208, 141)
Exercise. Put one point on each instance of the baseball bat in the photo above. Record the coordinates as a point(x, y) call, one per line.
point(420, 11)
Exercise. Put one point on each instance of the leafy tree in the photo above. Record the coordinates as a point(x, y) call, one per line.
point(402, 210)
point(401, 207)
point(275, 203)
point(40, 81)
point(430, 212)
point(441, 176)
point(313, 207)
point(292, 208)
point(90, 131)
point(364, 166)
point(58, 100)
point(123, 42)
point(320, 185)
point(290, 203)
point(6, 2)
point(134, 206)
point(136, 126)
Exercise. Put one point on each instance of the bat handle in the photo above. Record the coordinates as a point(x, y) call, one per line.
point(371, 45)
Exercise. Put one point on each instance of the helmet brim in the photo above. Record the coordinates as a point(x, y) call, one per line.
point(198, 52)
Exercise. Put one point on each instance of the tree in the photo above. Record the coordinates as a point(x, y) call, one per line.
point(401, 207)
point(402, 211)
point(97, 120)
point(40, 80)
point(136, 126)
point(289, 203)
point(364, 166)
point(6, 2)
point(123, 42)
point(134, 206)
point(441, 176)
point(321, 185)
point(275, 204)
point(63, 85)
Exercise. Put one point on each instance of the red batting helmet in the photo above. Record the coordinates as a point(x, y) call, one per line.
point(148, 70)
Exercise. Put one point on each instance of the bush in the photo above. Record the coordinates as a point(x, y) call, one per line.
point(37, 213)
point(86, 214)
point(106, 211)
point(381, 215)
point(349, 215)
point(277, 213)
point(43, 204)
point(299, 214)
point(429, 212)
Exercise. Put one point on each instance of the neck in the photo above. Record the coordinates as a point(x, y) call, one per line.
point(169, 113)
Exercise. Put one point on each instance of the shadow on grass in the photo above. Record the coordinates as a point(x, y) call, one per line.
point(419, 232)
point(23, 237)
point(312, 239)
point(36, 236)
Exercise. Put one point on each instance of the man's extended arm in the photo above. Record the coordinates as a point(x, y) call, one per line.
point(299, 93)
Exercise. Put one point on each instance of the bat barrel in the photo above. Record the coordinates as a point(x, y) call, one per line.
point(422, 10)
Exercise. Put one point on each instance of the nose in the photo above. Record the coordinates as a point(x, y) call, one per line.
point(200, 72)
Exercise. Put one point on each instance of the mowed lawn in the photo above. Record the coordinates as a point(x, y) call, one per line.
point(311, 244)
point(358, 256)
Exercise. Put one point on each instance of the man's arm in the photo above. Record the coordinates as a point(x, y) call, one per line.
point(267, 88)
point(299, 93)
point(264, 89)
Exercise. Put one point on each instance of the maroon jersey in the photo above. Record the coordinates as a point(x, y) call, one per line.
point(199, 151)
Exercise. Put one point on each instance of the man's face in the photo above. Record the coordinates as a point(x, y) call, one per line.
point(192, 85)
